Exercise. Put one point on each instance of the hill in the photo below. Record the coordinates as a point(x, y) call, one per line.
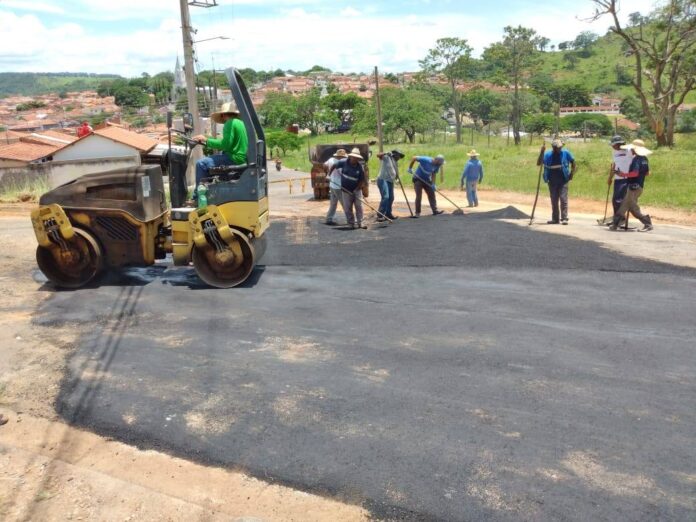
point(30, 84)
point(604, 70)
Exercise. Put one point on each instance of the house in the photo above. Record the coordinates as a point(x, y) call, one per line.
point(20, 154)
point(105, 149)
point(7, 137)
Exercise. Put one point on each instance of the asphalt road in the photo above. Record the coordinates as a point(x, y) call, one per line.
point(454, 368)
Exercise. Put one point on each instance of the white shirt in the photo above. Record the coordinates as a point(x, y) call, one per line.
point(622, 160)
point(335, 178)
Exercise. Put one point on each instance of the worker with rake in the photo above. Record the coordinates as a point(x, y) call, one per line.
point(388, 171)
point(424, 180)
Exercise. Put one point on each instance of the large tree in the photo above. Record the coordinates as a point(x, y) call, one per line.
point(452, 58)
point(410, 111)
point(663, 46)
point(513, 60)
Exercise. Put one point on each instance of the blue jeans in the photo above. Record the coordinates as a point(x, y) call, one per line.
point(203, 165)
point(386, 190)
point(471, 195)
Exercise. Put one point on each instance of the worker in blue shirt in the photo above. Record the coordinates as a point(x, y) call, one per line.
point(559, 168)
point(472, 176)
point(424, 179)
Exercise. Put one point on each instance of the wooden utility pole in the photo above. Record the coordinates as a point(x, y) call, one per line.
point(380, 138)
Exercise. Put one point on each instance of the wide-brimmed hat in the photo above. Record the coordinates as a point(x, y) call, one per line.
point(617, 140)
point(355, 153)
point(227, 108)
point(340, 153)
point(639, 147)
point(557, 142)
point(472, 153)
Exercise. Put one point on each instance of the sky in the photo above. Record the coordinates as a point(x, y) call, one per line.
point(129, 37)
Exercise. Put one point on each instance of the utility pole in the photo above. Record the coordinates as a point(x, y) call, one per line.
point(380, 138)
point(189, 71)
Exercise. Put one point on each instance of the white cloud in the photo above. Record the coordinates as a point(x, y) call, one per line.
point(40, 7)
point(296, 38)
point(349, 12)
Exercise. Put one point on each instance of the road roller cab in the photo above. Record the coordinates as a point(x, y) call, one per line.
point(120, 218)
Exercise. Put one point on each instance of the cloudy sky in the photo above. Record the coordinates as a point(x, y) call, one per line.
point(129, 37)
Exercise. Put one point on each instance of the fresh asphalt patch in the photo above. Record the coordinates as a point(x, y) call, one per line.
point(450, 367)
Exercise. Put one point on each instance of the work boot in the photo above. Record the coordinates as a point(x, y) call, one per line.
point(615, 223)
point(380, 219)
point(647, 224)
point(437, 212)
point(552, 222)
point(392, 217)
point(360, 225)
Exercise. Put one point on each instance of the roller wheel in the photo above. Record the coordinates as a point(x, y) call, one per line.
point(75, 266)
point(228, 268)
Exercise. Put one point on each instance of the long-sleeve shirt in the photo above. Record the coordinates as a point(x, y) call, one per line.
point(234, 141)
point(387, 170)
point(473, 171)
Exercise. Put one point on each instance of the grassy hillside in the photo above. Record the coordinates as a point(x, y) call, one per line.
point(30, 84)
point(598, 72)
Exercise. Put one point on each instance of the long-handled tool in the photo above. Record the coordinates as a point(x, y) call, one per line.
point(603, 221)
point(541, 169)
point(458, 212)
point(398, 178)
point(369, 206)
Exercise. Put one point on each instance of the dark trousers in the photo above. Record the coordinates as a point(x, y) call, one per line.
point(559, 194)
point(420, 187)
point(386, 190)
point(619, 193)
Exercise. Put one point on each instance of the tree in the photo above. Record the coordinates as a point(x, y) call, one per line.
point(581, 122)
point(542, 43)
point(452, 58)
point(284, 141)
point(583, 43)
point(538, 124)
point(343, 105)
point(410, 111)
point(130, 96)
point(687, 121)
point(312, 113)
point(663, 48)
point(479, 103)
point(515, 57)
point(278, 110)
point(631, 108)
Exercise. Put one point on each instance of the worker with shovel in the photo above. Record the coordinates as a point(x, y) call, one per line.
point(559, 168)
point(352, 180)
point(424, 179)
point(388, 172)
point(335, 193)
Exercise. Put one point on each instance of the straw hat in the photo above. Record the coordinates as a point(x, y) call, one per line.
point(639, 147)
point(557, 143)
point(340, 153)
point(355, 153)
point(472, 153)
point(227, 108)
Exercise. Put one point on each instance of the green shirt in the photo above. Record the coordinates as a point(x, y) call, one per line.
point(234, 142)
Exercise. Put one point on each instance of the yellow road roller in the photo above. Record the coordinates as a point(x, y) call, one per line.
point(120, 218)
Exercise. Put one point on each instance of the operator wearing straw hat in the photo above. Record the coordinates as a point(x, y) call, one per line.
point(233, 144)
point(637, 172)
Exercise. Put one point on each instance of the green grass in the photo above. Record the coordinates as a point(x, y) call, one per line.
point(672, 182)
point(22, 192)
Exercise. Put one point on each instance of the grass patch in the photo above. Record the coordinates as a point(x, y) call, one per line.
point(26, 191)
point(672, 183)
